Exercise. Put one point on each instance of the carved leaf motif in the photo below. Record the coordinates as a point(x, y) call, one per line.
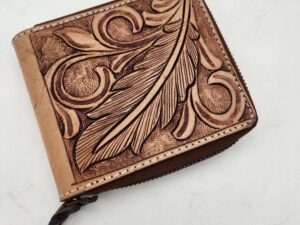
point(164, 69)
point(166, 10)
point(70, 120)
point(236, 110)
point(152, 91)
point(79, 39)
point(187, 123)
point(208, 60)
point(64, 103)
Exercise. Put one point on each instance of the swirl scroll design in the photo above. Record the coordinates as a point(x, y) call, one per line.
point(127, 105)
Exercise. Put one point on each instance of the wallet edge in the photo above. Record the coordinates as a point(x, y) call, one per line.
point(107, 178)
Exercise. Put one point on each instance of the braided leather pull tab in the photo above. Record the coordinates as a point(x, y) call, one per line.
point(70, 207)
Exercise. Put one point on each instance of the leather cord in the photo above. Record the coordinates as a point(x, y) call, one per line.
point(69, 207)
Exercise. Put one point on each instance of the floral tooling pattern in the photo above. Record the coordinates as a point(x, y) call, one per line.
point(148, 77)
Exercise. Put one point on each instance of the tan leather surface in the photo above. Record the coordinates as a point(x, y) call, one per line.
point(127, 85)
point(45, 114)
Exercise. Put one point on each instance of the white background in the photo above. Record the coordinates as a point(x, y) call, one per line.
point(256, 182)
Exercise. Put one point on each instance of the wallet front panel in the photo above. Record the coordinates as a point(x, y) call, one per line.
point(136, 82)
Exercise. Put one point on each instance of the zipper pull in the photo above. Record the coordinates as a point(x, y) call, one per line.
point(69, 207)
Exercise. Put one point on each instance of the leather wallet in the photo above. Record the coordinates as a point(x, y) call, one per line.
point(132, 90)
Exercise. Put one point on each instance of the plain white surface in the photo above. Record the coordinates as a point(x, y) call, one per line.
point(256, 182)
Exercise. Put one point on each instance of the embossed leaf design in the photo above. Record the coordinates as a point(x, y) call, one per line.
point(150, 71)
point(151, 92)
point(79, 39)
point(163, 73)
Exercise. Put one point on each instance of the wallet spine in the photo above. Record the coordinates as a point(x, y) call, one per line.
point(44, 112)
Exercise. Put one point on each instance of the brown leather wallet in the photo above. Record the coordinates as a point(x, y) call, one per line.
point(132, 90)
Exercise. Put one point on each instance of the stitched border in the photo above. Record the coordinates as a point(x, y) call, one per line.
point(158, 158)
point(69, 19)
point(167, 154)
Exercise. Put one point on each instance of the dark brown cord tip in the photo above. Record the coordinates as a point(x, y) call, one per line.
point(70, 207)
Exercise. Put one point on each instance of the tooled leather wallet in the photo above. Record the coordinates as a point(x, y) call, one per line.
point(129, 91)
